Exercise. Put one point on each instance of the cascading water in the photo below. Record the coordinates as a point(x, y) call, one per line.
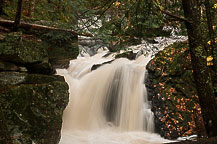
point(108, 105)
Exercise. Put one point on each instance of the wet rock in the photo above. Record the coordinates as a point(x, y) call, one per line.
point(33, 105)
point(96, 66)
point(171, 88)
point(152, 40)
point(90, 45)
point(61, 63)
point(108, 54)
point(129, 55)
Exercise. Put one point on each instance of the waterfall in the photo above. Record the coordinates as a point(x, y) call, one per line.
point(109, 103)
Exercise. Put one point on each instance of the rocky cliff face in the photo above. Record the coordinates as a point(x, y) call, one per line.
point(32, 99)
point(171, 88)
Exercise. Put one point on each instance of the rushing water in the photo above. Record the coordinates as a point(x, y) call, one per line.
point(108, 105)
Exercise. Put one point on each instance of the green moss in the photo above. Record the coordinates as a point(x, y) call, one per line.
point(15, 49)
point(173, 79)
point(34, 109)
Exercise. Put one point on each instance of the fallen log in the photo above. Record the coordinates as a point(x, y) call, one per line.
point(9, 23)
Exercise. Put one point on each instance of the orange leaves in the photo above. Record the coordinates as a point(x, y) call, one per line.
point(181, 107)
point(209, 61)
point(172, 90)
point(189, 132)
point(170, 59)
point(209, 42)
point(197, 107)
point(158, 68)
point(117, 3)
point(175, 121)
point(181, 128)
point(178, 101)
point(163, 74)
point(180, 116)
point(178, 107)
point(163, 119)
point(162, 86)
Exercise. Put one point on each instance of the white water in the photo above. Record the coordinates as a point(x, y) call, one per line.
point(109, 105)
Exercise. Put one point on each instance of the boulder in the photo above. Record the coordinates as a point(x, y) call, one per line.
point(15, 49)
point(129, 55)
point(33, 105)
point(62, 47)
point(32, 99)
point(96, 66)
point(171, 88)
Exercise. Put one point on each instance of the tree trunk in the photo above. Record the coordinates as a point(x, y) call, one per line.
point(18, 15)
point(4, 134)
point(1, 7)
point(200, 70)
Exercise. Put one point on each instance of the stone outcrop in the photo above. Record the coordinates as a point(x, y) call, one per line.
point(32, 99)
point(33, 105)
point(15, 49)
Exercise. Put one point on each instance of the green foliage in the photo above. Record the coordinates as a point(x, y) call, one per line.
point(122, 22)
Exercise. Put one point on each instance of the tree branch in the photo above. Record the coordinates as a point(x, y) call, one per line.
point(172, 15)
point(8, 23)
point(175, 16)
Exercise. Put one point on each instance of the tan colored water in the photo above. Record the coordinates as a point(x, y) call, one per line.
point(108, 105)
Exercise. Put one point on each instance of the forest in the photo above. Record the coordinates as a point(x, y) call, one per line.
point(108, 71)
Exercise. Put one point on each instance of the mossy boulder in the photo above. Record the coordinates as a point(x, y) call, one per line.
point(62, 47)
point(32, 99)
point(33, 105)
point(172, 90)
point(16, 49)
